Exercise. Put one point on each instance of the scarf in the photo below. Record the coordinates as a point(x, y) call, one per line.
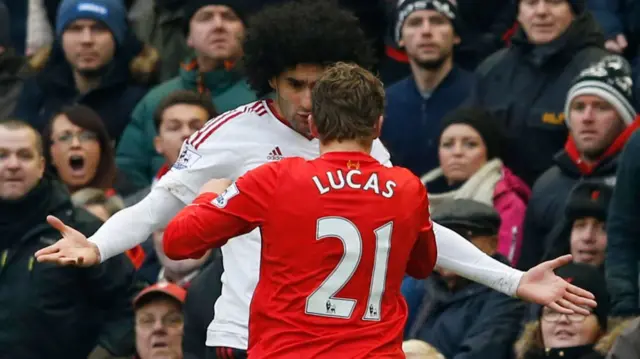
point(479, 187)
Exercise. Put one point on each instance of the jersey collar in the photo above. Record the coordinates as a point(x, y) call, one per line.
point(276, 114)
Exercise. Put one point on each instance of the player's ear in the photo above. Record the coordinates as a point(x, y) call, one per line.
point(377, 128)
point(312, 126)
point(273, 83)
point(157, 144)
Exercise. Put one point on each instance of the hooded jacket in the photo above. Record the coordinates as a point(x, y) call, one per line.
point(551, 190)
point(525, 87)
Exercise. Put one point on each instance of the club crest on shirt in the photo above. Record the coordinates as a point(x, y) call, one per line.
point(187, 158)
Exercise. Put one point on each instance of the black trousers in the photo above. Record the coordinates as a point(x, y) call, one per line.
point(225, 353)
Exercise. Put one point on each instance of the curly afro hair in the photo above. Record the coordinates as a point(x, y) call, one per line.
point(318, 32)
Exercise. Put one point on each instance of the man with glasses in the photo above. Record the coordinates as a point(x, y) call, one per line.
point(572, 335)
point(159, 321)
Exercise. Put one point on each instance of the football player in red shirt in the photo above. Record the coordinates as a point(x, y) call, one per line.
point(338, 233)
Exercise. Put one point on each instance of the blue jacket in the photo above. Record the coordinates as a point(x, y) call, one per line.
point(474, 322)
point(412, 124)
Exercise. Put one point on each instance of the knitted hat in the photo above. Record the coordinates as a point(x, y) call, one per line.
point(609, 79)
point(242, 8)
point(467, 217)
point(110, 12)
point(5, 33)
point(407, 7)
point(482, 121)
point(591, 279)
point(589, 199)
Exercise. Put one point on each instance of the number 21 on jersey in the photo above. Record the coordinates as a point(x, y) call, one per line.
point(322, 301)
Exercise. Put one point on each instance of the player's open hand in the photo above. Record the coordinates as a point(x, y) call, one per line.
point(542, 286)
point(217, 186)
point(73, 249)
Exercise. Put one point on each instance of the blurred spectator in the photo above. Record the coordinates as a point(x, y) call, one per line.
point(180, 272)
point(620, 21)
point(416, 105)
point(50, 311)
point(417, 349)
point(463, 319)
point(11, 66)
point(601, 117)
point(573, 336)
point(627, 344)
point(623, 233)
point(177, 117)
point(94, 61)
point(205, 289)
point(80, 152)
point(582, 233)
point(483, 27)
point(159, 322)
point(525, 85)
point(95, 201)
point(216, 32)
point(470, 168)
point(162, 25)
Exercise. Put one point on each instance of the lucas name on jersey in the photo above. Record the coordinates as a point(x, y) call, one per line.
point(353, 179)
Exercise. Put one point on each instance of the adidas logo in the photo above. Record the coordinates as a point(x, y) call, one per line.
point(275, 154)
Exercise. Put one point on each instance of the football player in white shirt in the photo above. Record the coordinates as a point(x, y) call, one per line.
point(286, 50)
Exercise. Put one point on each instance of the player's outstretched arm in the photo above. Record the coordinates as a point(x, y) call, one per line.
point(125, 230)
point(539, 285)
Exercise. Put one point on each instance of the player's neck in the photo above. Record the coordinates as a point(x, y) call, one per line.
point(344, 146)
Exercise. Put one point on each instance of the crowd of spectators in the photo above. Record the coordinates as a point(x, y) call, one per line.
point(519, 116)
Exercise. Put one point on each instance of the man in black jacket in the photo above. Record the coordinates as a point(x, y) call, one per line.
point(525, 85)
point(601, 117)
point(49, 311)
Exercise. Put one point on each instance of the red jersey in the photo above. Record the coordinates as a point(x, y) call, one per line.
point(338, 235)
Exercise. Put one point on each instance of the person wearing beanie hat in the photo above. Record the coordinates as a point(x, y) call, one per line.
point(111, 13)
point(471, 168)
point(159, 321)
point(609, 79)
point(214, 67)
point(574, 336)
point(601, 117)
point(587, 211)
point(436, 86)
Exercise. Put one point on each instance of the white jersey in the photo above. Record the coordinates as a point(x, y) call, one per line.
point(227, 147)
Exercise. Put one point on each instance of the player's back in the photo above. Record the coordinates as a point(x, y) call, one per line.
point(335, 248)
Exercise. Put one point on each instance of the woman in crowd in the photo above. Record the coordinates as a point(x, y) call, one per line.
point(81, 153)
point(555, 335)
point(470, 168)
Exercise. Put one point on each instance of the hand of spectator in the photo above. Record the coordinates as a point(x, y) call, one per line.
point(216, 186)
point(542, 286)
point(73, 249)
point(617, 44)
